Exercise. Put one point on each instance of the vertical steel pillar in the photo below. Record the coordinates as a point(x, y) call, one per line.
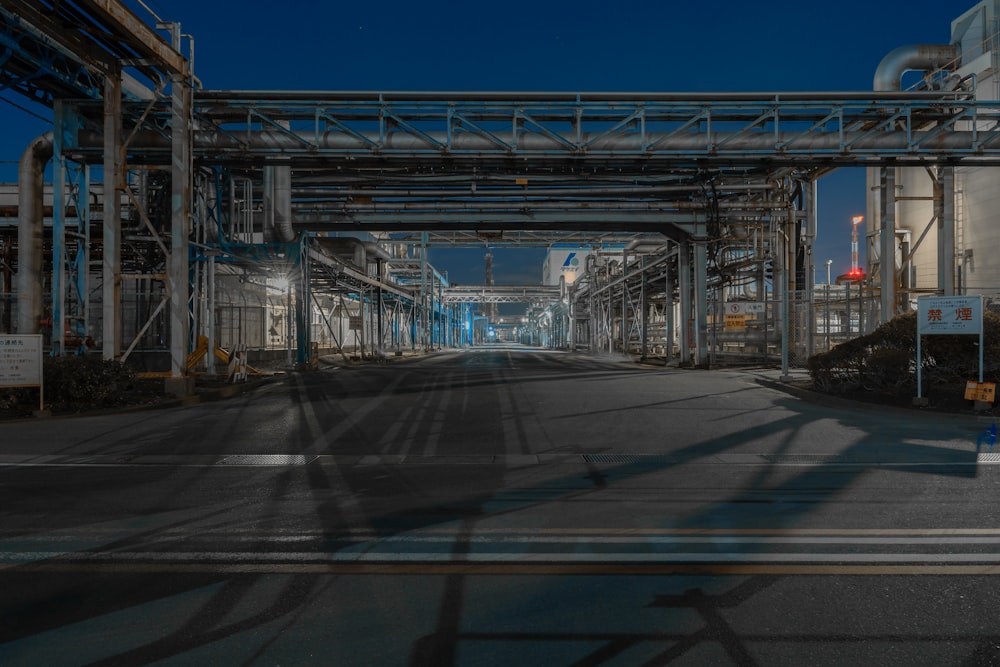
point(210, 315)
point(644, 310)
point(812, 197)
point(380, 339)
point(442, 323)
point(82, 262)
point(112, 267)
point(787, 285)
point(684, 285)
point(423, 290)
point(625, 303)
point(592, 319)
point(701, 301)
point(58, 315)
point(180, 221)
point(887, 243)
point(946, 230)
point(668, 303)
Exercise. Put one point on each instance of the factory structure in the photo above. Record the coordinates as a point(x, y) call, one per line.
point(172, 226)
point(934, 229)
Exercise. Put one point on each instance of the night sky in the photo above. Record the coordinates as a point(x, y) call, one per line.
point(547, 45)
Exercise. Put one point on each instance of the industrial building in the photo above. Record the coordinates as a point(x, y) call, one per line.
point(940, 224)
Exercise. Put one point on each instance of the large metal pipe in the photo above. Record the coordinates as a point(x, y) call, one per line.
point(30, 217)
point(277, 181)
point(888, 77)
point(277, 144)
point(495, 191)
point(283, 204)
point(228, 96)
point(889, 73)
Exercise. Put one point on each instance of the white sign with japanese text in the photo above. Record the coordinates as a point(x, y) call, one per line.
point(21, 361)
point(949, 315)
point(745, 308)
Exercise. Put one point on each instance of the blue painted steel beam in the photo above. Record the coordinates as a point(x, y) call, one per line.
point(33, 64)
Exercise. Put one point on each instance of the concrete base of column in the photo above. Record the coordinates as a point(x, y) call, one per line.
point(179, 387)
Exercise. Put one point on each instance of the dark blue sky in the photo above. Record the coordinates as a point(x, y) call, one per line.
point(551, 45)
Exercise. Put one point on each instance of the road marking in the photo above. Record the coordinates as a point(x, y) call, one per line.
point(511, 444)
point(542, 551)
point(14, 558)
point(424, 568)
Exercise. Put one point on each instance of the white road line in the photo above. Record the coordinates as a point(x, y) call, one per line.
point(13, 559)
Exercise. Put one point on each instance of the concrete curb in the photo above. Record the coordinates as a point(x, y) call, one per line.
point(827, 400)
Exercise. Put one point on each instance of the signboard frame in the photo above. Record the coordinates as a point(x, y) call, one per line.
point(940, 315)
point(21, 363)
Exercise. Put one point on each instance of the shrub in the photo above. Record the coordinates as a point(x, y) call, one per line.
point(86, 382)
point(884, 361)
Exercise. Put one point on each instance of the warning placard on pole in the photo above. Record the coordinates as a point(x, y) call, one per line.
point(939, 315)
point(21, 361)
point(985, 392)
point(736, 321)
point(949, 315)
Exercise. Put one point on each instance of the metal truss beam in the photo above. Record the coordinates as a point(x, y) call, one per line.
point(349, 276)
point(500, 294)
point(728, 131)
point(38, 67)
point(62, 48)
point(516, 238)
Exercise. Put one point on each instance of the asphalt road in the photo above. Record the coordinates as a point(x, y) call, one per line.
point(500, 507)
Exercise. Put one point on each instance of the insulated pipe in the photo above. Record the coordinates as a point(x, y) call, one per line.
point(363, 252)
point(277, 143)
point(277, 182)
point(542, 205)
point(30, 212)
point(888, 75)
point(374, 252)
point(283, 204)
point(225, 96)
point(500, 192)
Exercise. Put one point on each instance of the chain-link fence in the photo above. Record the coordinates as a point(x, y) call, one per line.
point(755, 332)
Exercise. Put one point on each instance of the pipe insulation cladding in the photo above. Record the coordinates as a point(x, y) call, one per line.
point(30, 207)
point(913, 57)
point(219, 147)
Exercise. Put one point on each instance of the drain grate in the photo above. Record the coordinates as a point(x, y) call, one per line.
point(266, 460)
point(988, 458)
point(628, 458)
point(809, 458)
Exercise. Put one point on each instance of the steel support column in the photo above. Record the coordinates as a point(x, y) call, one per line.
point(812, 215)
point(688, 323)
point(668, 303)
point(180, 174)
point(113, 175)
point(644, 311)
point(946, 230)
point(887, 242)
point(58, 314)
point(303, 310)
point(701, 301)
point(787, 285)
